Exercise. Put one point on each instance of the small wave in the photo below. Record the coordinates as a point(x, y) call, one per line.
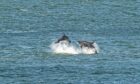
point(71, 49)
point(24, 10)
point(16, 31)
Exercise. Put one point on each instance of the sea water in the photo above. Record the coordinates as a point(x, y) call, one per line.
point(28, 28)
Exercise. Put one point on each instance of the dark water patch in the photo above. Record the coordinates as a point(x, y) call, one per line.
point(125, 43)
point(131, 13)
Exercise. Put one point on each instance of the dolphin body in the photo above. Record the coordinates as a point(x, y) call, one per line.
point(86, 44)
point(64, 39)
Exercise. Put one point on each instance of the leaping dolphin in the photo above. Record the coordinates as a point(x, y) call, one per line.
point(63, 39)
point(86, 44)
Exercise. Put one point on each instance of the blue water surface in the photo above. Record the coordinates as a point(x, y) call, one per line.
point(28, 27)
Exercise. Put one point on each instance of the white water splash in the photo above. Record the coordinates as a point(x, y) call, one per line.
point(71, 49)
point(64, 48)
point(86, 50)
point(96, 47)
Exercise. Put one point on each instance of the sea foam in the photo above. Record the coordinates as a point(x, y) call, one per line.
point(72, 49)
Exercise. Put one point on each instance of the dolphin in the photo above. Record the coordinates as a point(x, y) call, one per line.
point(63, 39)
point(87, 44)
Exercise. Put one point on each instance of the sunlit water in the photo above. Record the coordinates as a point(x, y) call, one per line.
point(28, 28)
